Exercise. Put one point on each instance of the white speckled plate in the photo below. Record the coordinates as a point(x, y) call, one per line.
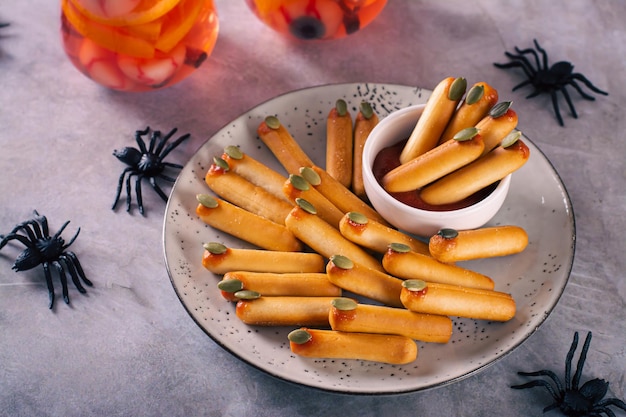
point(536, 278)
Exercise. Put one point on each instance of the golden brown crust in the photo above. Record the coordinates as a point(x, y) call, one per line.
point(366, 318)
point(326, 210)
point(243, 193)
point(493, 130)
point(285, 311)
point(325, 239)
point(412, 265)
point(339, 146)
point(477, 175)
point(295, 284)
point(433, 164)
point(452, 300)
point(365, 281)
point(258, 260)
point(363, 126)
point(376, 236)
point(486, 242)
point(284, 147)
point(391, 349)
point(428, 129)
point(245, 225)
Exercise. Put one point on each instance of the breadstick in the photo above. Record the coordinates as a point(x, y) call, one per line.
point(453, 300)
point(324, 238)
point(243, 193)
point(244, 225)
point(450, 245)
point(316, 343)
point(479, 174)
point(219, 259)
point(254, 171)
point(347, 315)
point(344, 199)
point(284, 147)
point(466, 147)
point(360, 279)
point(339, 143)
point(403, 263)
point(365, 121)
point(295, 284)
point(500, 121)
point(284, 311)
point(478, 101)
point(298, 187)
point(377, 237)
point(437, 113)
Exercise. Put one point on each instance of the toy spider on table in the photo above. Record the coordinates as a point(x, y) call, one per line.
point(549, 79)
point(572, 400)
point(41, 248)
point(146, 163)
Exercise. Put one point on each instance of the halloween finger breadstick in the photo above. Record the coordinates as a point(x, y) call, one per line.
point(220, 259)
point(450, 245)
point(500, 121)
point(298, 187)
point(296, 284)
point(316, 343)
point(453, 300)
point(403, 263)
point(478, 174)
point(339, 143)
point(466, 147)
point(284, 311)
point(243, 193)
point(244, 225)
point(346, 315)
point(365, 121)
point(324, 238)
point(437, 113)
point(375, 236)
point(344, 199)
point(365, 281)
point(254, 171)
point(284, 147)
point(477, 103)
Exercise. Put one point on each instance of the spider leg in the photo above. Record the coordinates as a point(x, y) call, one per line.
point(139, 140)
point(138, 193)
point(520, 85)
point(580, 91)
point(557, 112)
point(14, 236)
point(531, 51)
point(153, 140)
point(72, 240)
point(119, 187)
point(613, 401)
point(158, 189)
point(547, 373)
point(58, 233)
point(73, 274)
point(128, 190)
point(597, 411)
point(543, 53)
point(44, 224)
point(568, 361)
point(588, 83)
point(46, 270)
point(539, 383)
point(581, 361)
point(164, 140)
point(568, 100)
point(521, 62)
point(172, 165)
point(63, 278)
point(79, 269)
point(167, 178)
point(174, 144)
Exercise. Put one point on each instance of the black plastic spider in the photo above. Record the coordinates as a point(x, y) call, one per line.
point(146, 163)
point(549, 79)
point(573, 401)
point(41, 248)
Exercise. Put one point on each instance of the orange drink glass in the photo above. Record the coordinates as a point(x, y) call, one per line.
point(316, 19)
point(138, 45)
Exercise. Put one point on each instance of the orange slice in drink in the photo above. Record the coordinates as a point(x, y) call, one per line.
point(107, 37)
point(114, 14)
point(178, 23)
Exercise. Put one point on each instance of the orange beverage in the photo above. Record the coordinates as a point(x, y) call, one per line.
point(138, 45)
point(317, 19)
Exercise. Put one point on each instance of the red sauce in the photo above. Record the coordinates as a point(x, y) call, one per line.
point(342, 315)
point(358, 227)
point(389, 158)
